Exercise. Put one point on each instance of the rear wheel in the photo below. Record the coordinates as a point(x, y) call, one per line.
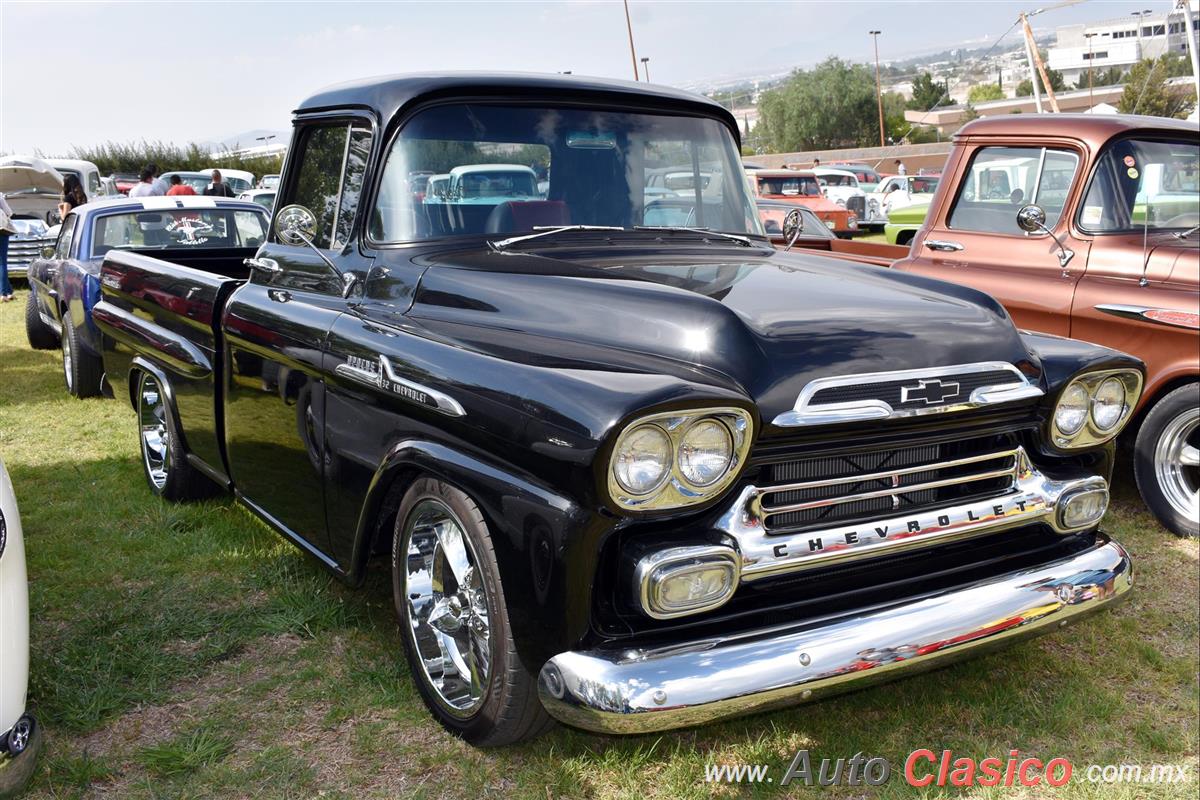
point(1167, 460)
point(454, 620)
point(164, 461)
point(41, 336)
point(82, 370)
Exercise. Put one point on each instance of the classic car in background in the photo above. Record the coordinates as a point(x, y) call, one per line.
point(264, 197)
point(868, 177)
point(64, 282)
point(238, 179)
point(270, 181)
point(611, 465)
point(85, 172)
point(20, 734)
point(896, 192)
point(32, 187)
point(199, 181)
point(124, 181)
point(1086, 226)
point(902, 225)
point(26, 244)
point(802, 187)
point(842, 187)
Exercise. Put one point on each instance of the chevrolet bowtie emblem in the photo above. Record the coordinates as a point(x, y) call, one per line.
point(931, 391)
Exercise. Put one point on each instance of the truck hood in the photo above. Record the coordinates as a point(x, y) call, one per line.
point(763, 323)
point(22, 174)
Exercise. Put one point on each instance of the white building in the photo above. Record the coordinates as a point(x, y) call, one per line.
point(1122, 42)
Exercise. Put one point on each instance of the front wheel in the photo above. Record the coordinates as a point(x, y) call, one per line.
point(164, 460)
point(454, 620)
point(40, 335)
point(1167, 460)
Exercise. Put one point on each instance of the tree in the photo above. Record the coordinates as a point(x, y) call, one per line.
point(827, 107)
point(1147, 90)
point(927, 94)
point(983, 92)
point(1025, 87)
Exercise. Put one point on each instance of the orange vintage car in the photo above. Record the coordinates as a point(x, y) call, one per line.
point(801, 187)
point(1086, 226)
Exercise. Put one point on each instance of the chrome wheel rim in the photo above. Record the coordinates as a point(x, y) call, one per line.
point(1177, 463)
point(66, 353)
point(447, 608)
point(18, 738)
point(156, 438)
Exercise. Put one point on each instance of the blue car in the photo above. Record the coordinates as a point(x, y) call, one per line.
point(65, 281)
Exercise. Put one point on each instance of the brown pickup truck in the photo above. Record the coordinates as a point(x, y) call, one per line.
point(1086, 227)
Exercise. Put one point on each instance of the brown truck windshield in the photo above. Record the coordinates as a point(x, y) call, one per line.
point(1144, 183)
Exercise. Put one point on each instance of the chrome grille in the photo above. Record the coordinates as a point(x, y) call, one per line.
point(22, 252)
point(816, 492)
point(857, 206)
point(950, 388)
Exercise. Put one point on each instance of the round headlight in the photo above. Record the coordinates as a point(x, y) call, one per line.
point(705, 453)
point(643, 459)
point(1072, 410)
point(1108, 404)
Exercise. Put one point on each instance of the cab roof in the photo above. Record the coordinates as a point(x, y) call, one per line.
point(1095, 128)
point(387, 95)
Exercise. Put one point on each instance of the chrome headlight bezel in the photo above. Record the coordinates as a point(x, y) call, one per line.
point(1090, 433)
point(654, 570)
point(676, 491)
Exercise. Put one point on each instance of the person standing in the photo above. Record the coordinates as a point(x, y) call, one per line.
point(160, 186)
point(178, 187)
point(218, 188)
point(900, 168)
point(145, 187)
point(72, 196)
point(6, 290)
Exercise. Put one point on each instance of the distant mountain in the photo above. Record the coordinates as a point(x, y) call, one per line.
point(247, 139)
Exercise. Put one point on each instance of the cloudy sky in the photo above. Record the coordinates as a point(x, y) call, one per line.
point(82, 73)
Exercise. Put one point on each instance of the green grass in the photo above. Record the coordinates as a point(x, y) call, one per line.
point(187, 651)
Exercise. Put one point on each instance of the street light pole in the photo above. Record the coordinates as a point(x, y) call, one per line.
point(632, 52)
point(878, 87)
point(646, 67)
point(1091, 61)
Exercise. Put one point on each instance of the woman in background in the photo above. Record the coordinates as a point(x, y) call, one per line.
point(72, 195)
point(6, 290)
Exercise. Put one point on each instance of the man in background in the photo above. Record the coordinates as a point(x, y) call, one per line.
point(160, 186)
point(218, 188)
point(145, 186)
point(178, 187)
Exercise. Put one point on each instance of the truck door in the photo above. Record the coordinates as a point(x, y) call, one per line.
point(276, 328)
point(974, 239)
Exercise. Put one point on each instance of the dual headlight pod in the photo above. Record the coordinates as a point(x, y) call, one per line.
point(678, 458)
point(1094, 407)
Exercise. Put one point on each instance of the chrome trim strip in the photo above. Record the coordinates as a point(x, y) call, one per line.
point(805, 413)
point(632, 690)
point(384, 377)
point(892, 490)
point(1139, 313)
point(1032, 498)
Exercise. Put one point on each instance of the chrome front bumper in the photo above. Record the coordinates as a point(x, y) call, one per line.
point(637, 691)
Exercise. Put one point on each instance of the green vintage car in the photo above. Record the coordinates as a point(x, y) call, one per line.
point(903, 223)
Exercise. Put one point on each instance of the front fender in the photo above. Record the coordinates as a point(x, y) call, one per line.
point(1062, 359)
point(547, 546)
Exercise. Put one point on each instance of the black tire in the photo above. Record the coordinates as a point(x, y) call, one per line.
point(1163, 477)
point(508, 709)
point(82, 371)
point(27, 737)
point(41, 336)
point(164, 459)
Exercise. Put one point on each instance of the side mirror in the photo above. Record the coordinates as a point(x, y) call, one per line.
point(793, 226)
point(1032, 219)
point(48, 251)
point(295, 225)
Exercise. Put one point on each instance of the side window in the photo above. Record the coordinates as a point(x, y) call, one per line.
point(329, 179)
point(66, 234)
point(999, 180)
point(1138, 183)
point(93, 187)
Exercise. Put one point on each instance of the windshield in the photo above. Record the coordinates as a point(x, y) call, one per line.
point(237, 184)
point(512, 169)
point(197, 182)
point(790, 186)
point(840, 180)
point(1139, 183)
point(189, 229)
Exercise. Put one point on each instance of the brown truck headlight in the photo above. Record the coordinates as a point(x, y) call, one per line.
point(1094, 407)
point(678, 458)
point(686, 580)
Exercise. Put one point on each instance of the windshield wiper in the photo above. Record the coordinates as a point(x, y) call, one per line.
point(733, 237)
point(1187, 233)
point(545, 230)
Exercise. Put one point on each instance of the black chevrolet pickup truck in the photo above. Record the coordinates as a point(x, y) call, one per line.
point(635, 468)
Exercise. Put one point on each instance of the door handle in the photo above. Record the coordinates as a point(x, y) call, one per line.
point(267, 265)
point(942, 244)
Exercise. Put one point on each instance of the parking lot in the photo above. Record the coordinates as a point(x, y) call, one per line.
point(188, 651)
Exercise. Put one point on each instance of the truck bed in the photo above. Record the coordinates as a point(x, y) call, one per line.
point(164, 316)
point(877, 253)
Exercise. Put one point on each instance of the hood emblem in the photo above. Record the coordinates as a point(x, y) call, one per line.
point(380, 374)
point(931, 391)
